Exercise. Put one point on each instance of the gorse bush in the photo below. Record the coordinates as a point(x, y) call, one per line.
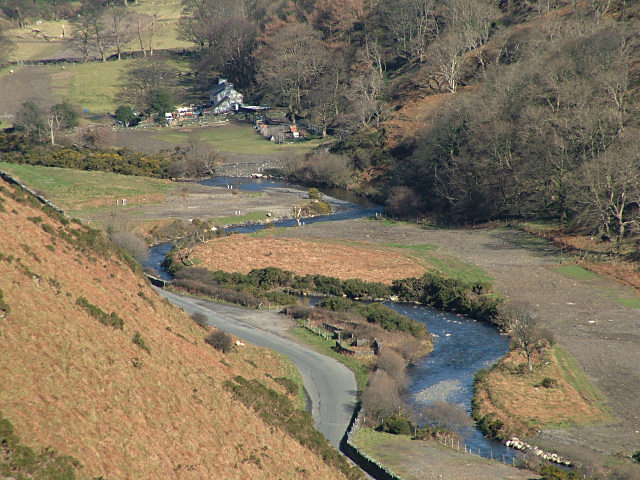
point(111, 320)
point(122, 161)
point(396, 424)
point(139, 341)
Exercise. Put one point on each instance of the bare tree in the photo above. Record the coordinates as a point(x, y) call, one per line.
point(412, 25)
point(233, 40)
point(610, 187)
point(524, 329)
point(291, 61)
point(381, 397)
point(148, 75)
point(119, 14)
point(366, 87)
point(201, 20)
point(81, 41)
point(103, 37)
point(199, 159)
point(446, 415)
point(185, 236)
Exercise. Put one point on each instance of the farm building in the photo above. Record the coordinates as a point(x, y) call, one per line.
point(224, 98)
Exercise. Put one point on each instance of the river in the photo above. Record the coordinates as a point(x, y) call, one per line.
point(462, 346)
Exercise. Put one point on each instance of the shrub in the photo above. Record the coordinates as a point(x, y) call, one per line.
point(299, 311)
point(290, 385)
point(220, 340)
point(125, 114)
point(446, 416)
point(403, 202)
point(138, 340)
point(281, 298)
point(200, 318)
point(636, 456)
point(547, 335)
point(316, 207)
point(4, 306)
point(548, 382)
point(131, 243)
point(490, 426)
point(551, 472)
point(396, 424)
point(111, 320)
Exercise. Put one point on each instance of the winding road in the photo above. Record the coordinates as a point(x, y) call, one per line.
point(330, 385)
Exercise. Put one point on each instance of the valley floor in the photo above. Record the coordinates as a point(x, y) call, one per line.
point(587, 315)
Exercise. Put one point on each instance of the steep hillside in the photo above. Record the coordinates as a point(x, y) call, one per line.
point(146, 400)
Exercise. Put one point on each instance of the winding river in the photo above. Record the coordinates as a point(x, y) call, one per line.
point(462, 346)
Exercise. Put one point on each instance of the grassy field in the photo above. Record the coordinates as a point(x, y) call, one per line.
point(575, 271)
point(248, 217)
point(94, 86)
point(31, 45)
point(77, 189)
point(238, 139)
point(416, 459)
point(447, 265)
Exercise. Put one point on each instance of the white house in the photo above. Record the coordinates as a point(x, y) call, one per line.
point(224, 98)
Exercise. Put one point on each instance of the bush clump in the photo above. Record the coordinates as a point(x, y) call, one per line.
point(444, 293)
point(200, 318)
point(111, 320)
point(139, 341)
point(290, 385)
point(377, 313)
point(396, 424)
point(220, 340)
point(548, 382)
point(4, 306)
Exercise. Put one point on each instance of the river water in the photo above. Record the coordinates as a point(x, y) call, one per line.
point(462, 346)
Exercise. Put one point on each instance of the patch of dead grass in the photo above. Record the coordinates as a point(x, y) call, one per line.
point(242, 253)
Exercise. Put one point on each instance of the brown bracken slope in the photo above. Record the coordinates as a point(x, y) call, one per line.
point(87, 390)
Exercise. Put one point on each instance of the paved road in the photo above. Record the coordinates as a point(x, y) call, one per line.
point(330, 385)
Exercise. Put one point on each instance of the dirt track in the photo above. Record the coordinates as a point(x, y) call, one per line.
point(603, 335)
